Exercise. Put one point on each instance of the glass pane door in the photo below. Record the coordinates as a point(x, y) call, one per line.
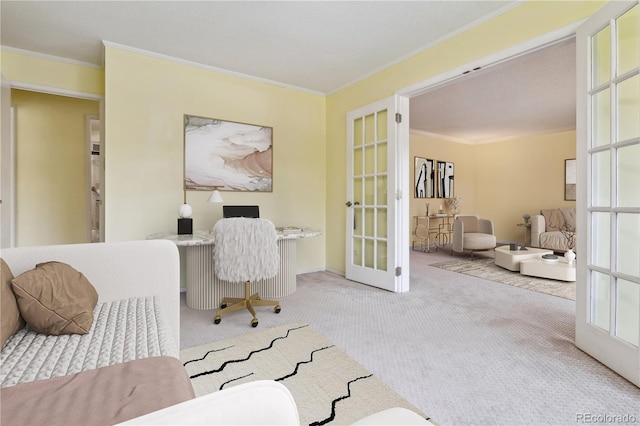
point(375, 250)
point(608, 296)
point(370, 191)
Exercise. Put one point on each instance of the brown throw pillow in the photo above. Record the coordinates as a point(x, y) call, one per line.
point(11, 320)
point(55, 299)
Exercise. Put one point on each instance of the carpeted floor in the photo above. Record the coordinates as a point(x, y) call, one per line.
point(329, 387)
point(462, 349)
point(487, 269)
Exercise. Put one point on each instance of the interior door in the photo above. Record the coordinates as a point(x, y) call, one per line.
point(608, 154)
point(377, 247)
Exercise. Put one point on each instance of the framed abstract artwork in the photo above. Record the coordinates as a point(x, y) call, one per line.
point(424, 183)
point(570, 179)
point(227, 155)
point(445, 179)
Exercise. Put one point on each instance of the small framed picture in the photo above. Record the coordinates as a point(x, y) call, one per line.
point(570, 179)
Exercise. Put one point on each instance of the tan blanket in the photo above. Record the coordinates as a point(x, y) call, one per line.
point(103, 396)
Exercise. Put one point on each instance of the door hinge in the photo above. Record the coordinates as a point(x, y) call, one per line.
point(398, 271)
point(398, 117)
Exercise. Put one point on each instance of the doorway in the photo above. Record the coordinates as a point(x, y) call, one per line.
point(51, 172)
point(451, 122)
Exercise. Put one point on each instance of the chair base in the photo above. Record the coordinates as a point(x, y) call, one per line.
point(470, 251)
point(230, 304)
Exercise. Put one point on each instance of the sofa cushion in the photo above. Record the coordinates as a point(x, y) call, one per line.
point(569, 215)
point(555, 240)
point(553, 218)
point(470, 223)
point(55, 299)
point(478, 241)
point(11, 320)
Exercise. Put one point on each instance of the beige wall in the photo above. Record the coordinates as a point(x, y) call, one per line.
point(502, 180)
point(51, 150)
point(521, 176)
point(146, 99)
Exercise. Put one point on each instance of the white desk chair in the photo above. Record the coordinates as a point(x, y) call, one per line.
point(245, 250)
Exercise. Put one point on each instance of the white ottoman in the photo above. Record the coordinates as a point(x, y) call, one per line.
point(511, 259)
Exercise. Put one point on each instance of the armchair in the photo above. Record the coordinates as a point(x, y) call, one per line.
point(470, 233)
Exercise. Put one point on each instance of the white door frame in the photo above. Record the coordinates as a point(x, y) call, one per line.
point(7, 178)
point(60, 92)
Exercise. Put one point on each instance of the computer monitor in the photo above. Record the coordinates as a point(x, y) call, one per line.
point(241, 211)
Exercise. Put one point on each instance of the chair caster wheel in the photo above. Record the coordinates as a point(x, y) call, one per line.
point(217, 320)
point(277, 309)
point(223, 305)
point(254, 323)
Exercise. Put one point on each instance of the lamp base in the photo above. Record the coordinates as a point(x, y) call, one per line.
point(185, 226)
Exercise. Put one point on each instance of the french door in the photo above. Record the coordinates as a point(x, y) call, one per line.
point(377, 247)
point(608, 201)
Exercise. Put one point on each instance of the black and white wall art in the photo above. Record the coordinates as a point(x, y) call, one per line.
point(424, 182)
point(228, 155)
point(445, 179)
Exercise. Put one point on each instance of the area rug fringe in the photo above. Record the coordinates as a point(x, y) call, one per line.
point(327, 385)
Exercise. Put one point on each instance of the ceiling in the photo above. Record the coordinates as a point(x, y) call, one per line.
point(532, 94)
point(316, 46)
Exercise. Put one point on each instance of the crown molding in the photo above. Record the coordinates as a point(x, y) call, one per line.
point(180, 61)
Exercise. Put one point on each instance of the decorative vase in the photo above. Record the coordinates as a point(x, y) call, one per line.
point(570, 256)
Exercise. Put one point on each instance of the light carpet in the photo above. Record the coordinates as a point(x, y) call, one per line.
point(487, 269)
point(327, 385)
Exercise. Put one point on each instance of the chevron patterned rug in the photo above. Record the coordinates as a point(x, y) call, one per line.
point(487, 269)
point(327, 385)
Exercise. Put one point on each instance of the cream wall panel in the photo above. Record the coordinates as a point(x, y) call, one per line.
point(50, 168)
point(37, 71)
point(146, 99)
point(530, 20)
point(521, 176)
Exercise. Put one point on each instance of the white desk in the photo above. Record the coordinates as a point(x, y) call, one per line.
point(205, 290)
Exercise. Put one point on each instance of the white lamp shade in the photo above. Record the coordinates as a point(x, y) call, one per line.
point(185, 211)
point(215, 197)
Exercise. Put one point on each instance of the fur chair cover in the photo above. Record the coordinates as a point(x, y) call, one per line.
point(245, 249)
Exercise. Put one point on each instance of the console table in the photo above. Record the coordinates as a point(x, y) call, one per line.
point(437, 227)
point(205, 290)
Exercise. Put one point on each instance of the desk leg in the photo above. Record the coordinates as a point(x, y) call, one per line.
point(205, 290)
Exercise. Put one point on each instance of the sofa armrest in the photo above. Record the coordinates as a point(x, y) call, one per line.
point(538, 226)
point(118, 270)
point(263, 402)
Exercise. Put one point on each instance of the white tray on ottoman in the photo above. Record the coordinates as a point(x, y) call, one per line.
point(560, 270)
point(511, 259)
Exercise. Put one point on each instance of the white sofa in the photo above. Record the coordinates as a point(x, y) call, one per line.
point(546, 229)
point(122, 270)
